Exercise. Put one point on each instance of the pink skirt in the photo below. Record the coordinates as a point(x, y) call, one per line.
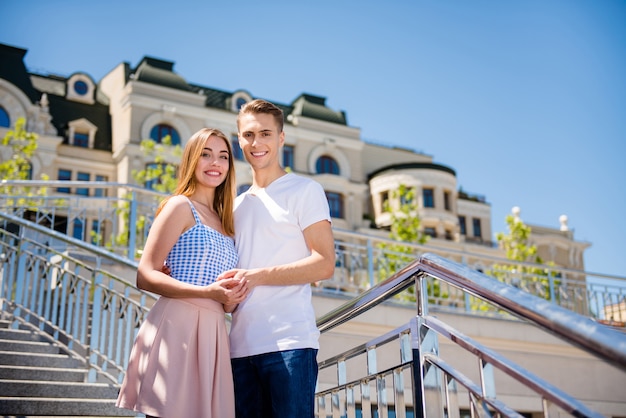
point(180, 363)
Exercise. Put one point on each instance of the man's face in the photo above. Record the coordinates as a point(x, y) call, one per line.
point(260, 140)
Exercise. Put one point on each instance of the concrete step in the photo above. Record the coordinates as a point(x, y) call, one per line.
point(54, 374)
point(29, 388)
point(11, 358)
point(19, 335)
point(39, 378)
point(22, 406)
point(28, 346)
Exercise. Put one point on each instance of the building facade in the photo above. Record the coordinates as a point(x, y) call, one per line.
point(91, 130)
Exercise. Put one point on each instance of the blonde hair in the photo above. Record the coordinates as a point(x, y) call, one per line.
point(223, 200)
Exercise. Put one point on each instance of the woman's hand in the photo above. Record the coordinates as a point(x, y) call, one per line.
point(229, 292)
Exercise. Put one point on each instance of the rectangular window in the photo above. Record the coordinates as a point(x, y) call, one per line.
point(96, 232)
point(100, 192)
point(288, 156)
point(462, 225)
point(81, 140)
point(407, 198)
point(429, 200)
point(82, 177)
point(477, 230)
point(78, 229)
point(64, 175)
point(431, 232)
point(237, 152)
point(335, 203)
point(446, 200)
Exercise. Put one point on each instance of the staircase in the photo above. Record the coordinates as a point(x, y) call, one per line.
point(39, 378)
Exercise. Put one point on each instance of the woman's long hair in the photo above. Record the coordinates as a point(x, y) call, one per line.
point(187, 182)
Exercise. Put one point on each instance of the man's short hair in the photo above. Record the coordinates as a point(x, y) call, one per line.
point(263, 106)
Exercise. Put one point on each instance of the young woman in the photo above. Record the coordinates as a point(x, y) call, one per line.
point(180, 362)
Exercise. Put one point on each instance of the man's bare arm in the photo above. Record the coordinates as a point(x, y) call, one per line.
point(320, 265)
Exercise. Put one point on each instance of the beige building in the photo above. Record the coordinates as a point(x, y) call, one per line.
point(91, 130)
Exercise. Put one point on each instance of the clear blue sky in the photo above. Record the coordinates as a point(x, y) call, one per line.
point(526, 100)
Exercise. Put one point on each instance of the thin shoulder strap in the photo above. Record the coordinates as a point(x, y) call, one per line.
point(193, 210)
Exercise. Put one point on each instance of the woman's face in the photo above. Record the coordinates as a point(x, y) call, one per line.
point(214, 162)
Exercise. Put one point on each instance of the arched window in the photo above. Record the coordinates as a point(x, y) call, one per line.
point(5, 121)
point(326, 165)
point(162, 130)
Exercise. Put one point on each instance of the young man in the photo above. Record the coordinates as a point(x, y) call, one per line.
point(284, 240)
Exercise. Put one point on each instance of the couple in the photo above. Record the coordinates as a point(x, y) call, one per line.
point(182, 363)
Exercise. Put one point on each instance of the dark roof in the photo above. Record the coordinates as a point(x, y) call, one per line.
point(149, 70)
point(214, 98)
point(64, 111)
point(160, 72)
point(13, 69)
point(408, 166)
point(314, 107)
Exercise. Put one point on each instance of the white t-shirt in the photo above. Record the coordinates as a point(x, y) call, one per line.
point(268, 232)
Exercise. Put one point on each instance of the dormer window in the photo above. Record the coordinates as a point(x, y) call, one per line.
point(239, 99)
point(81, 88)
point(82, 133)
point(81, 139)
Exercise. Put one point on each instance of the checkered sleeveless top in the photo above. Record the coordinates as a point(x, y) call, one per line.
point(201, 254)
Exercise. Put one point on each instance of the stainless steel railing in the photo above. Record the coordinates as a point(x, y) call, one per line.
point(430, 380)
point(77, 293)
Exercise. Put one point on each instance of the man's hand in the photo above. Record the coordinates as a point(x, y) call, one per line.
point(249, 276)
point(228, 291)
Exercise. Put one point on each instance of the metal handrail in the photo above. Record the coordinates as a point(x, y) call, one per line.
point(76, 243)
point(593, 337)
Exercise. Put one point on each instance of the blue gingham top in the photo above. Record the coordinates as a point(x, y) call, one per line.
point(201, 254)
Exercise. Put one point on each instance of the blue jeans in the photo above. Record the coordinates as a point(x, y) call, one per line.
point(280, 384)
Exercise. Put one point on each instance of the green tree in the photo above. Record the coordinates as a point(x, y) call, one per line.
point(23, 145)
point(516, 243)
point(518, 249)
point(404, 229)
point(160, 175)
